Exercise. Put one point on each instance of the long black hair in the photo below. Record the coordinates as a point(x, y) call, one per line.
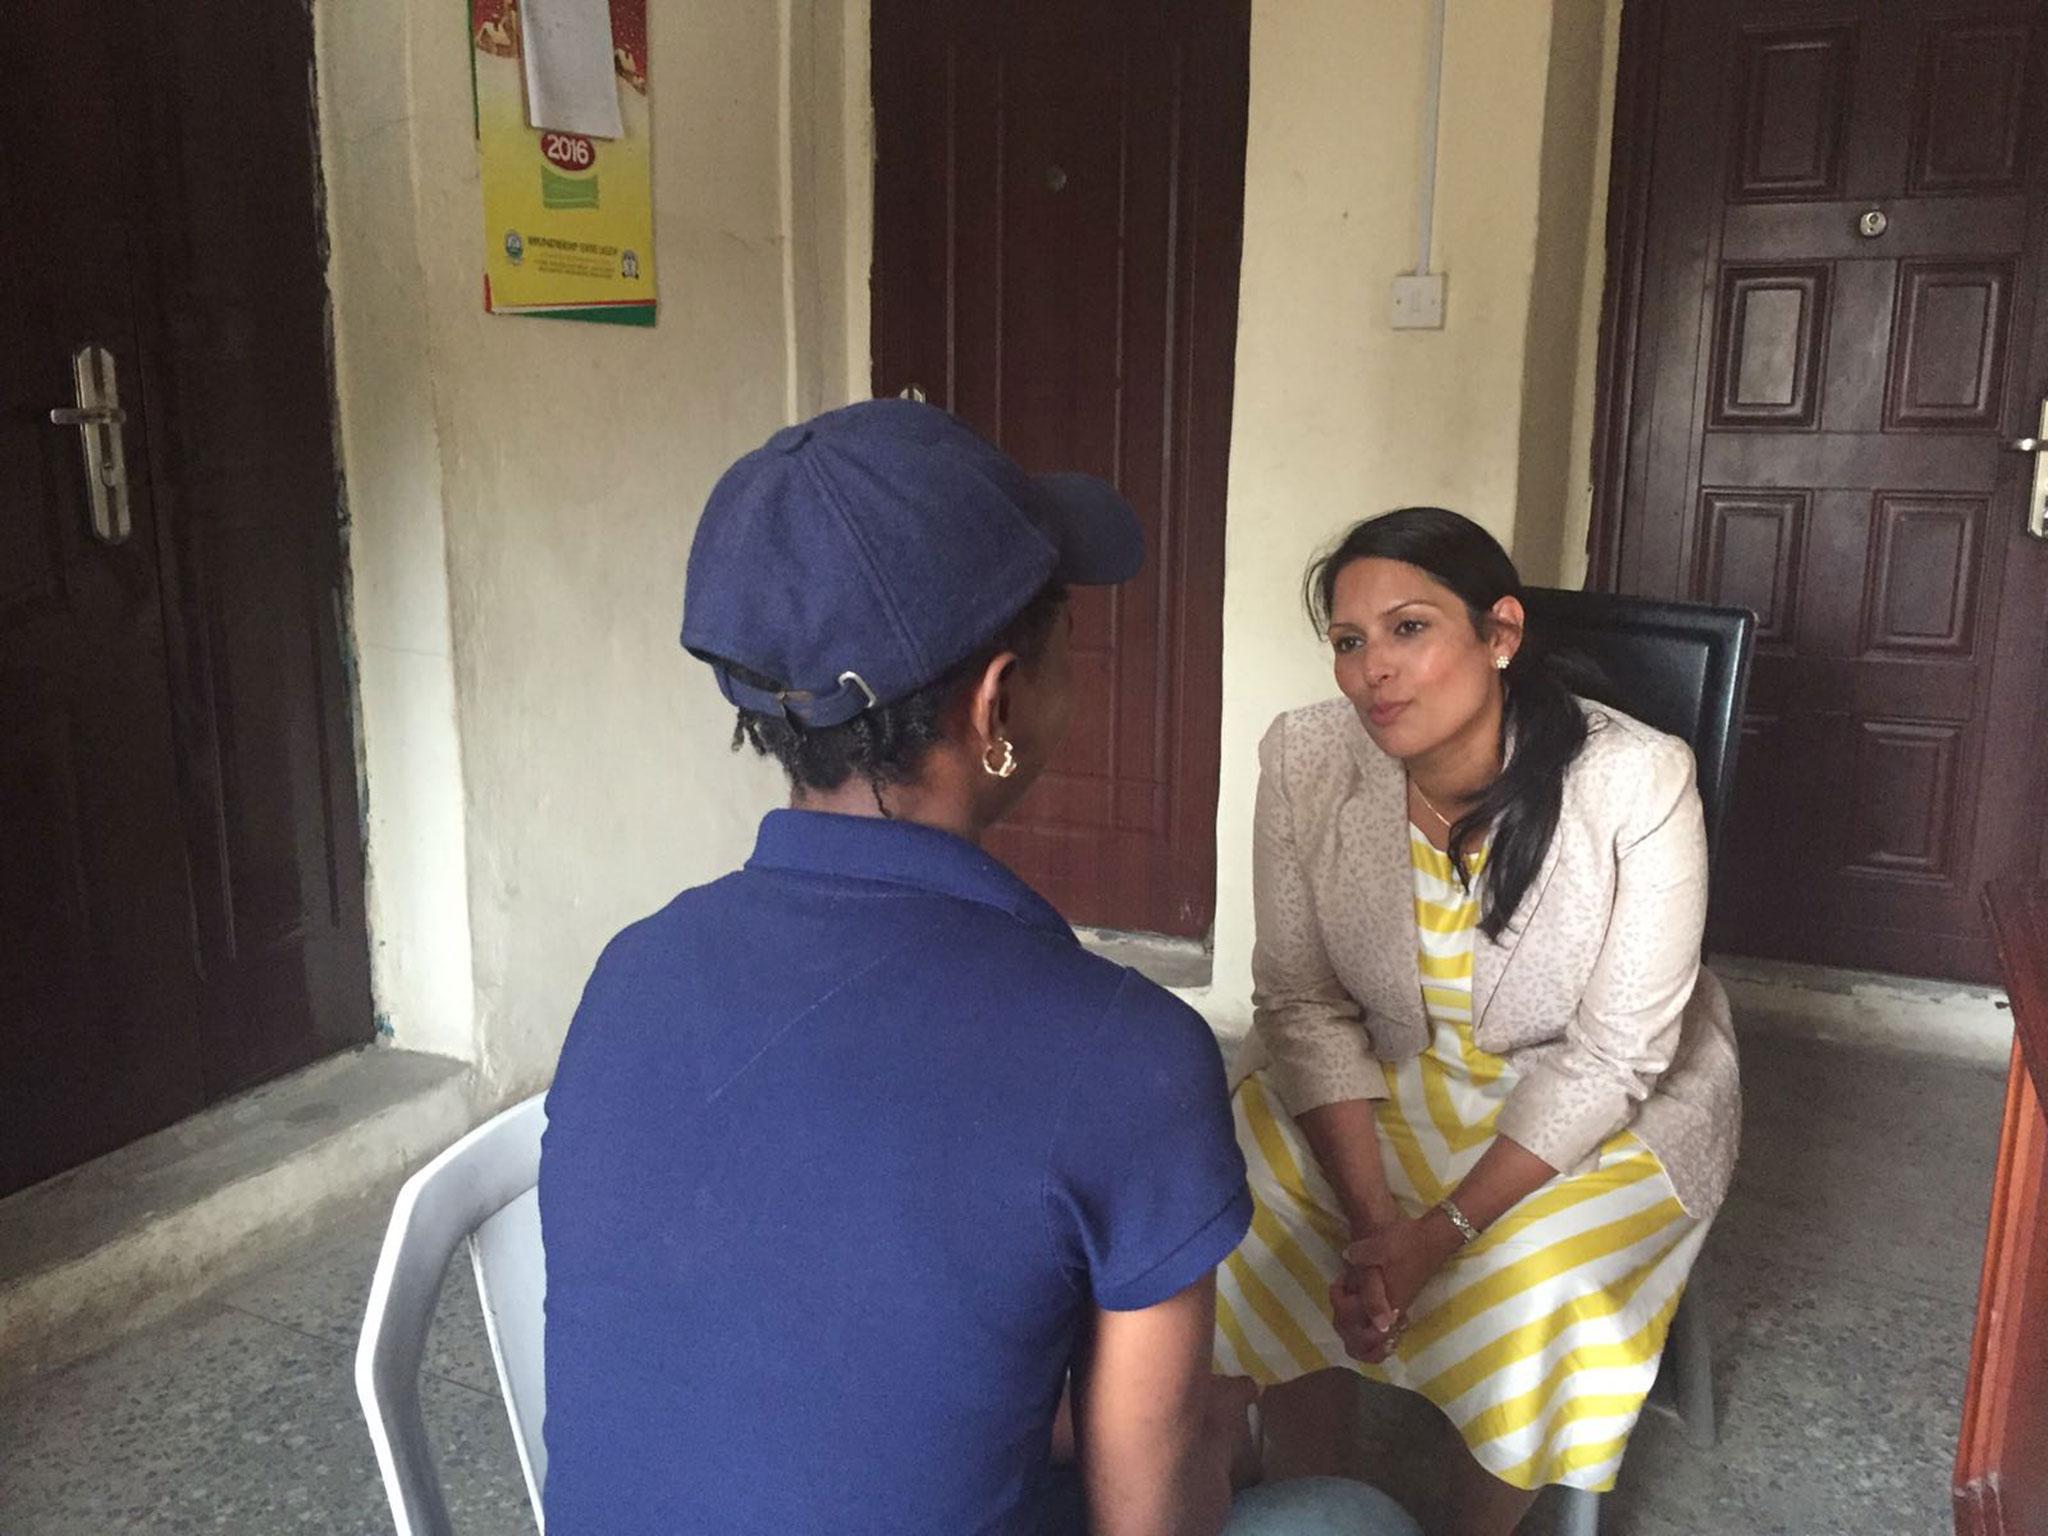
point(888, 744)
point(1540, 717)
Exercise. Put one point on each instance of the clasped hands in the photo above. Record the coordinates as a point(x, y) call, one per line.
point(1385, 1267)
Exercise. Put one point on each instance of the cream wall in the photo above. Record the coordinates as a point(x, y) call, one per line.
point(1337, 415)
point(1578, 510)
point(391, 452)
point(1555, 498)
point(542, 762)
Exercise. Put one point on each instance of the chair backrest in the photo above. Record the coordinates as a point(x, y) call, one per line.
point(512, 1283)
point(482, 1191)
point(1681, 667)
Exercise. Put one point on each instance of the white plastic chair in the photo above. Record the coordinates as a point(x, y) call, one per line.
point(483, 1191)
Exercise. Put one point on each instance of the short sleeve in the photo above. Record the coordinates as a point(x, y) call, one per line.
point(1145, 1187)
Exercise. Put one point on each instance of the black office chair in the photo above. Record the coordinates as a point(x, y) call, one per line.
point(1682, 668)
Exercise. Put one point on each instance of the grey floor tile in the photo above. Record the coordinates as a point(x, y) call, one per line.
point(322, 1293)
point(222, 1421)
point(1839, 1409)
point(1909, 1112)
point(458, 1348)
point(1808, 1099)
point(1863, 1238)
point(1871, 1167)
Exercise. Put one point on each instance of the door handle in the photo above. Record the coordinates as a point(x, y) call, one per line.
point(2037, 495)
point(98, 417)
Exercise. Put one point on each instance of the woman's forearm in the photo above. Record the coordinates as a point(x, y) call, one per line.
point(1505, 1173)
point(1347, 1147)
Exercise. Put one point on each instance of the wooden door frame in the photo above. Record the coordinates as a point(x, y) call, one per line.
point(1636, 99)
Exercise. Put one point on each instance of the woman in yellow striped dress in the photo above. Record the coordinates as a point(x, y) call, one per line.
point(1490, 1102)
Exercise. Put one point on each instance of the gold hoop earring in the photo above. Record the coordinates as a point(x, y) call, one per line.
point(1008, 765)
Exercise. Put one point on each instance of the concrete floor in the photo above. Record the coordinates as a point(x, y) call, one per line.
point(131, 1238)
point(1841, 1282)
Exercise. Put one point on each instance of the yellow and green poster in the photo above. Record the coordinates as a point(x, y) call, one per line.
point(568, 219)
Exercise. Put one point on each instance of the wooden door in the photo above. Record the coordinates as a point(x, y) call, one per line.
point(99, 998)
point(1825, 324)
point(252, 549)
point(1058, 207)
point(180, 866)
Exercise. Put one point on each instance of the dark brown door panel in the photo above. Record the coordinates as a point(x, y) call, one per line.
point(1824, 327)
point(1058, 209)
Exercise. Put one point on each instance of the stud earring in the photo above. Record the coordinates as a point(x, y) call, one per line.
point(1004, 768)
point(1500, 663)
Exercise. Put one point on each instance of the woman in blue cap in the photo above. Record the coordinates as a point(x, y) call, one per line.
point(855, 1157)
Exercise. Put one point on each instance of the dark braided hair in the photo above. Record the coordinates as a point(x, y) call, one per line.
point(1541, 716)
point(887, 744)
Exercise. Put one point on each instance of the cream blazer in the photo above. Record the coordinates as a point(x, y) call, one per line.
point(1594, 992)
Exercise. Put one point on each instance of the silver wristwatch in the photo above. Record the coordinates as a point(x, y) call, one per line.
point(1467, 1233)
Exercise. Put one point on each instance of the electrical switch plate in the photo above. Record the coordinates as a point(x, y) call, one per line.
point(1419, 302)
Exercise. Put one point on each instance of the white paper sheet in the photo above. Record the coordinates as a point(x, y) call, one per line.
point(570, 86)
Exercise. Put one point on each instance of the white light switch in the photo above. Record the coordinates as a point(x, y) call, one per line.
point(1419, 302)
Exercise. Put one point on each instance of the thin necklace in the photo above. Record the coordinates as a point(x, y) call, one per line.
point(1431, 805)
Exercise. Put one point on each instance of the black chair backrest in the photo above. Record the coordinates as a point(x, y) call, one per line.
point(1681, 667)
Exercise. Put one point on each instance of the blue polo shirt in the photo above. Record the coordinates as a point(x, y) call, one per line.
point(842, 1153)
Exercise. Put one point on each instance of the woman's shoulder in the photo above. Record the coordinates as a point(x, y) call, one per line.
point(1326, 720)
point(1612, 733)
point(1622, 754)
point(1316, 736)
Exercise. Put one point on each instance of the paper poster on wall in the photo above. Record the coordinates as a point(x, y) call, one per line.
point(568, 217)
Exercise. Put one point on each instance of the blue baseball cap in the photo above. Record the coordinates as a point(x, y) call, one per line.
point(857, 557)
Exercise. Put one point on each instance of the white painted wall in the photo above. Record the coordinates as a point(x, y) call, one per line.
point(542, 761)
point(1578, 511)
point(1554, 502)
point(1337, 416)
point(391, 454)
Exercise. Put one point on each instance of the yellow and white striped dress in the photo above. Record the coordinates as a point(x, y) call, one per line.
point(1540, 1340)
